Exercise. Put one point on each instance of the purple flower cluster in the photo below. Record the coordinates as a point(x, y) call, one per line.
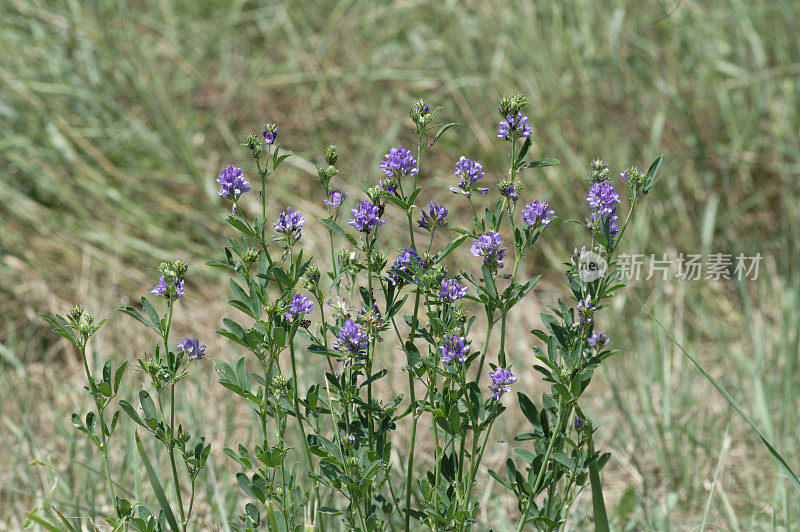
point(537, 213)
point(403, 263)
point(290, 222)
point(435, 219)
point(586, 310)
point(366, 216)
point(270, 132)
point(335, 198)
point(598, 339)
point(192, 347)
point(488, 247)
point(603, 201)
point(352, 339)
point(232, 184)
point(451, 290)
point(454, 347)
point(469, 172)
point(399, 162)
point(299, 304)
point(162, 290)
point(501, 378)
point(514, 126)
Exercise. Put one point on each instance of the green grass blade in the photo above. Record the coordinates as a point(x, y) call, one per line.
point(153, 477)
point(792, 476)
point(598, 504)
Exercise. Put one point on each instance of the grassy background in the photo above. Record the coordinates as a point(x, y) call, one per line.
point(116, 117)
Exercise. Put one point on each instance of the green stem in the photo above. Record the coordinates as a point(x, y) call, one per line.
point(414, 417)
point(175, 478)
point(104, 436)
point(371, 351)
point(172, 454)
point(297, 408)
point(540, 476)
point(474, 463)
point(501, 355)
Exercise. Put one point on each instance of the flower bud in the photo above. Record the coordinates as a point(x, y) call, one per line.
point(252, 143)
point(331, 155)
point(599, 171)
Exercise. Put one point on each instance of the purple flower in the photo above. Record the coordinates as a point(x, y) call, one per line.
point(192, 347)
point(586, 310)
point(162, 290)
point(300, 304)
point(387, 185)
point(270, 132)
point(488, 247)
point(403, 263)
point(366, 216)
point(469, 172)
point(399, 162)
point(501, 378)
point(454, 347)
point(451, 290)
point(578, 423)
point(603, 201)
point(633, 171)
point(507, 189)
point(335, 198)
point(352, 338)
point(536, 213)
point(514, 126)
point(290, 222)
point(598, 339)
point(435, 220)
point(232, 184)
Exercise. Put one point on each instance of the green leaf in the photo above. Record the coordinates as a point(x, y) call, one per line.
point(542, 163)
point(148, 406)
point(336, 228)
point(277, 161)
point(240, 226)
point(598, 504)
point(489, 280)
point(439, 133)
point(154, 318)
point(450, 247)
point(528, 409)
point(154, 482)
point(523, 151)
point(131, 411)
point(133, 313)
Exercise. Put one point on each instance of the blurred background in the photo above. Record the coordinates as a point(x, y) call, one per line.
point(115, 118)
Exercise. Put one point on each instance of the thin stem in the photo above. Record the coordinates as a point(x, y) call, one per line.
point(618, 237)
point(297, 408)
point(191, 505)
point(474, 463)
point(414, 418)
point(175, 478)
point(540, 476)
point(172, 454)
point(501, 355)
point(104, 436)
